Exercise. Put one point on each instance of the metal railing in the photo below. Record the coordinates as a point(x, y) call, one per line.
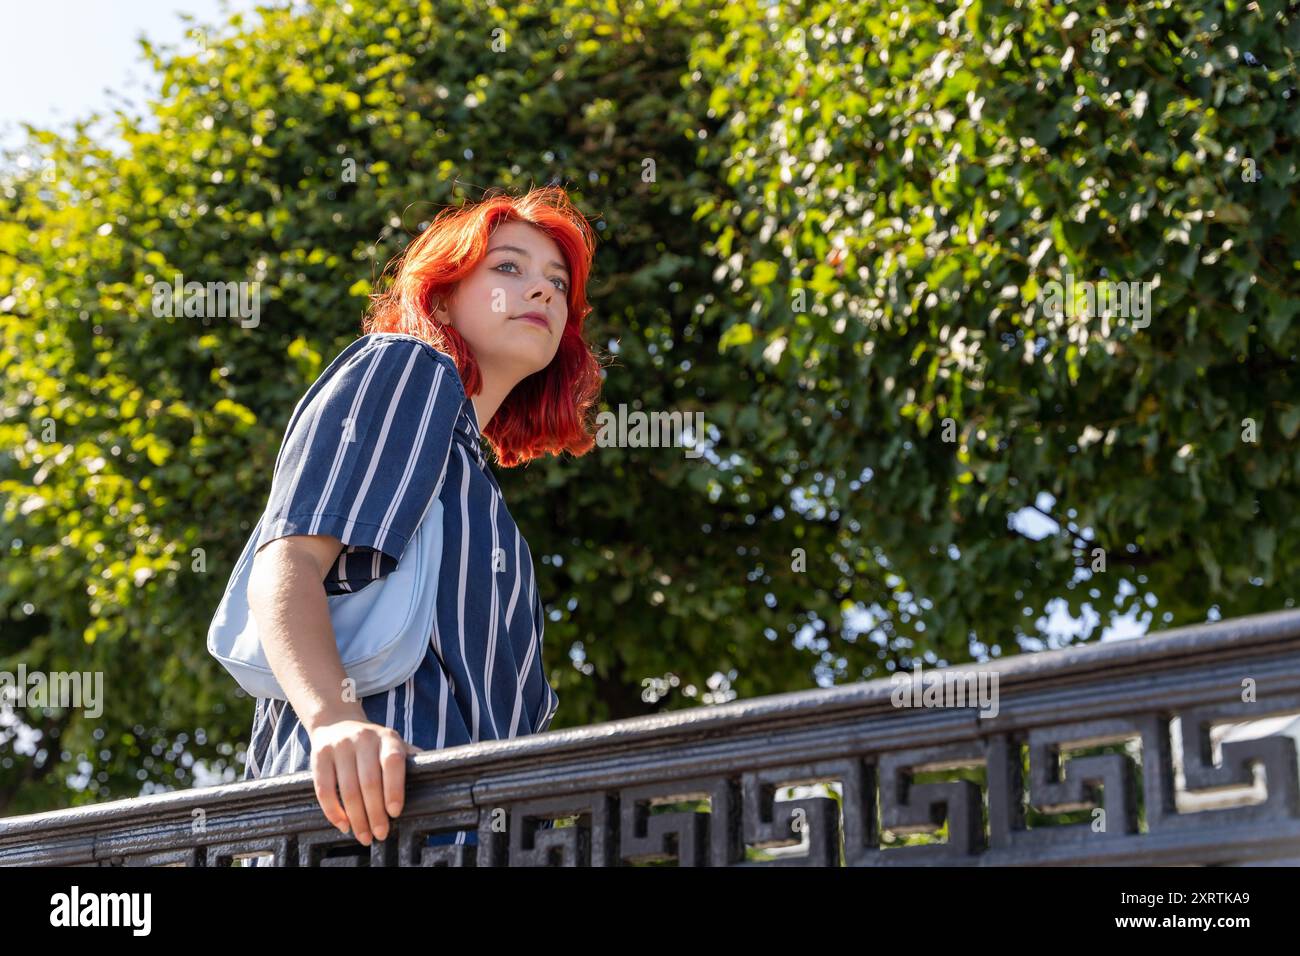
point(1172, 748)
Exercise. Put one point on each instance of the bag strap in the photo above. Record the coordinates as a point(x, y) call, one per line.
point(442, 474)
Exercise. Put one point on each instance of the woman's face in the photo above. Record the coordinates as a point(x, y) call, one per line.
point(523, 272)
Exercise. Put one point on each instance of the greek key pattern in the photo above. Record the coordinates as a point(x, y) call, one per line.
point(867, 808)
point(1177, 749)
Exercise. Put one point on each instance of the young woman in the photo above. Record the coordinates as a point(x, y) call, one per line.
point(478, 336)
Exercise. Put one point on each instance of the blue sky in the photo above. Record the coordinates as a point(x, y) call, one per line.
point(60, 58)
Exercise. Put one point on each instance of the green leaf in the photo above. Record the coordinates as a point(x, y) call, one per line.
point(764, 272)
point(742, 333)
point(1289, 421)
point(1264, 541)
point(1232, 213)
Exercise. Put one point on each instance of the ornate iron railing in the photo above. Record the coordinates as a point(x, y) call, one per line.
point(1173, 748)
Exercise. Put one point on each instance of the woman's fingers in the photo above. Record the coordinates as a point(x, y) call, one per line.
point(326, 782)
point(392, 759)
point(364, 764)
point(370, 774)
point(345, 765)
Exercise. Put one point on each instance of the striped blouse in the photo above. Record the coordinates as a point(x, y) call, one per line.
point(383, 428)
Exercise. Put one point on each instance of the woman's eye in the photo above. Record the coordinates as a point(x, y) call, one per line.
point(564, 286)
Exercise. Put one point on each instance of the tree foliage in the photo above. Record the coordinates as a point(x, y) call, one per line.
point(829, 228)
point(921, 173)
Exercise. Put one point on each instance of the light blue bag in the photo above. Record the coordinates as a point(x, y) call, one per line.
point(382, 631)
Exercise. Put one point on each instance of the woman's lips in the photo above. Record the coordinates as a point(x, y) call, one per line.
point(535, 320)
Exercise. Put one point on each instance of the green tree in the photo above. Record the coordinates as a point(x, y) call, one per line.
point(920, 175)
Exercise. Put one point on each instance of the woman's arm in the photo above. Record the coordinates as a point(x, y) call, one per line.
point(361, 458)
point(287, 597)
point(366, 762)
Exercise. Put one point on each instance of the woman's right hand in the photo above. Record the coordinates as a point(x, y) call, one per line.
point(365, 763)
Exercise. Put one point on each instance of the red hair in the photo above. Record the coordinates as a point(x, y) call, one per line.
point(547, 411)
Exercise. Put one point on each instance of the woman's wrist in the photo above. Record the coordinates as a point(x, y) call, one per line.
point(333, 714)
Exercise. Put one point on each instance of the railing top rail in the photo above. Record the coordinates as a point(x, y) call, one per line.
point(1020, 677)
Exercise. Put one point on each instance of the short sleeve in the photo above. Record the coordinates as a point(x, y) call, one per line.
point(367, 448)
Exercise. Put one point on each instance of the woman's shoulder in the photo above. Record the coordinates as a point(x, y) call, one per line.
point(392, 351)
point(403, 342)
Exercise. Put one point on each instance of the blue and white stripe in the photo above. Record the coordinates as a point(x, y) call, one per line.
point(386, 426)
